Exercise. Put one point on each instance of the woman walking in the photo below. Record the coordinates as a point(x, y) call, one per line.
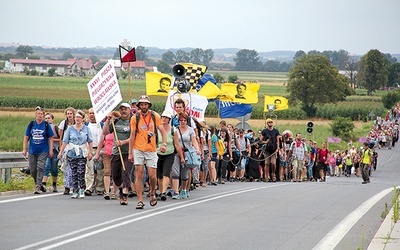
point(77, 142)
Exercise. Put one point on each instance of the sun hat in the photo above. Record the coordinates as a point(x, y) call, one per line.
point(166, 114)
point(124, 104)
point(144, 99)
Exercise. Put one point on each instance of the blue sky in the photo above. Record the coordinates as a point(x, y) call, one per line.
point(263, 25)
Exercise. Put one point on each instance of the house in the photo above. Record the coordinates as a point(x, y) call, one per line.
point(69, 67)
point(137, 67)
point(42, 66)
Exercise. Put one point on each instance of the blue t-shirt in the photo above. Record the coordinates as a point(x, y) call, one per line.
point(38, 137)
point(78, 138)
point(214, 139)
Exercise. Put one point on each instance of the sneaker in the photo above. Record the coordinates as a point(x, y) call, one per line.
point(74, 195)
point(66, 191)
point(175, 196)
point(188, 193)
point(55, 189)
point(170, 192)
point(184, 194)
point(43, 189)
point(37, 189)
point(163, 196)
point(88, 193)
point(81, 194)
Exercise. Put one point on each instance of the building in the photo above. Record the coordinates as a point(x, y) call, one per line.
point(70, 67)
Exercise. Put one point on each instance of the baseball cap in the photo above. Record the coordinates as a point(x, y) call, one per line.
point(269, 120)
point(124, 104)
point(133, 100)
point(166, 114)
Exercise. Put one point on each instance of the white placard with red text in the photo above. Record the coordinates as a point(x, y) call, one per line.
point(104, 91)
point(195, 104)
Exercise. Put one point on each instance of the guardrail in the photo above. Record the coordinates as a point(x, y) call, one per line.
point(10, 160)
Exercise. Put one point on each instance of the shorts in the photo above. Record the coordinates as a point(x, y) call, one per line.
point(270, 158)
point(141, 158)
point(214, 157)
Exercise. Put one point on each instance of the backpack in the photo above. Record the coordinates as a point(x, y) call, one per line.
point(270, 147)
point(137, 115)
point(46, 124)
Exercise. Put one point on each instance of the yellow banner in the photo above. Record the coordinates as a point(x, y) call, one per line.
point(280, 102)
point(243, 92)
point(194, 72)
point(158, 83)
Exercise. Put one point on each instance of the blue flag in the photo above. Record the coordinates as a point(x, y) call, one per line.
point(232, 109)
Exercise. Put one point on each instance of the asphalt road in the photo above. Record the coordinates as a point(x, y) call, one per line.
point(338, 214)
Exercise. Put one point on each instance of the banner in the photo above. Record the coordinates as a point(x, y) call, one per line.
point(362, 140)
point(243, 92)
point(211, 91)
point(195, 104)
point(194, 72)
point(281, 103)
point(158, 83)
point(334, 139)
point(232, 109)
point(202, 81)
point(104, 91)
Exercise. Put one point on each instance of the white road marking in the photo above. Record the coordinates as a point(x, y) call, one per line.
point(141, 216)
point(333, 238)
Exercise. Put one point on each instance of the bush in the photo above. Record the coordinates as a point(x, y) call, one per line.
point(390, 99)
point(342, 127)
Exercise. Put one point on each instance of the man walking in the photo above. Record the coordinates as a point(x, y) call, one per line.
point(121, 167)
point(270, 137)
point(366, 159)
point(142, 147)
point(40, 137)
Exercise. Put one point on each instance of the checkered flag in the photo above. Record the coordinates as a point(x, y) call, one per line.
point(194, 72)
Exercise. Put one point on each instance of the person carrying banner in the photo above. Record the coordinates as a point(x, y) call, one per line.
point(142, 147)
point(121, 167)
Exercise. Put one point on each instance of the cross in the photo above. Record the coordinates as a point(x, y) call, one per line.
point(125, 43)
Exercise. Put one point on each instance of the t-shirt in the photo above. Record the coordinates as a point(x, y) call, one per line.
point(77, 137)
point(96, 130)
point(298, 150)
point(186, 136)
point(145, 128)
point(38, 138)
point(214, 140)
point(123, 132)
point(266, 133)
point(170, 143)
point(108, 144)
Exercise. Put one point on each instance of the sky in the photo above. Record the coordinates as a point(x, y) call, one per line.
point(261, 25)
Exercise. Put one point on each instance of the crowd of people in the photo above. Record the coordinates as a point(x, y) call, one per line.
point(136, 150)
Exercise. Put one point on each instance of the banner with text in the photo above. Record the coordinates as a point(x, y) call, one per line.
point(195, 104)
point(104, 91)
point(232, 109)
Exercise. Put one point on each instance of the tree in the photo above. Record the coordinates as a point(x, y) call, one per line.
point(51, 71)
point(394, 74)
point(163, 67)
point(182, 56)
point(196, 56)
point(351, 69)
point(141, 53)
point(219, 78)
point(94, 59)
point(299, 54)
point(390, 99)
point(169, 57)
point(23, 51)
point(372, 72)
point(67, 55)
point(314, 81)
point(232, 78)
point(208, 56)
point(247, 60)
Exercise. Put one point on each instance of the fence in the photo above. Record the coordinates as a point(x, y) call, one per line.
point(10, 160)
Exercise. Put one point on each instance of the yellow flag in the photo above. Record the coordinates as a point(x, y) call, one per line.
point(158, 83)
point(210, 90)
point(243, 92)
point(280, 102)
point(194, 72)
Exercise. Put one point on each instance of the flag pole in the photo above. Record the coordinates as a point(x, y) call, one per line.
point(129, 81)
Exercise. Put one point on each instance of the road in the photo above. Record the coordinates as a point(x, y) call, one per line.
point(338, 214)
